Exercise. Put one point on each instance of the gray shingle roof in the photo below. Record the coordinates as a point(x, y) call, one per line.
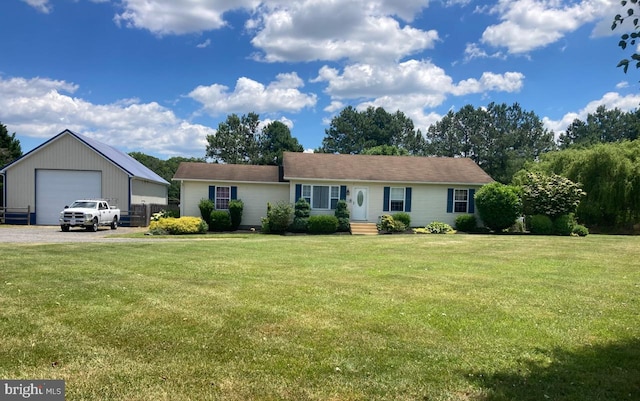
point(323, 166)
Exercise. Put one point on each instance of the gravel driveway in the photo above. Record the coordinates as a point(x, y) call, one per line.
point(52, 234)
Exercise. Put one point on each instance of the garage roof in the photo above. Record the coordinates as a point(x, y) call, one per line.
point(127, 163)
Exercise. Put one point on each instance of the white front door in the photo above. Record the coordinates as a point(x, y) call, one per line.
point(360, 202)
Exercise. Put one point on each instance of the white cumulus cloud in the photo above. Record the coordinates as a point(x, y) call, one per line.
point(332, 30)
point(527, 25)
point(611, 100)
point(42, 108)
point(283, 94)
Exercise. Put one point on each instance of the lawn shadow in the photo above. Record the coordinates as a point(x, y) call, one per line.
point(604, 372)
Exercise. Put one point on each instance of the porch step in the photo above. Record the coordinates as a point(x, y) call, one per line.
point(363, 229)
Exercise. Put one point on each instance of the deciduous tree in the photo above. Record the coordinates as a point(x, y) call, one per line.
point(235, 140)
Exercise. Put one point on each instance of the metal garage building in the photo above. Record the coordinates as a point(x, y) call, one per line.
point(71, 166)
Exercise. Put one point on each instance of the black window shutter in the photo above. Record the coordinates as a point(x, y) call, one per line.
point(407, 199)
point(343, 192)
point(449, 200)
point(385, 200)
point(212, 192)
point(472, 202)
point(234, 193)
point(298, 192)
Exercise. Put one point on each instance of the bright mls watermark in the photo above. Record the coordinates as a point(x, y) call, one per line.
point(39, 390)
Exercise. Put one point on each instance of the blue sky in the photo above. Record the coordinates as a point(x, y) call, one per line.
point(158, 76)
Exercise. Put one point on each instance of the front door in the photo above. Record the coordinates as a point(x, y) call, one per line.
point(360, 201)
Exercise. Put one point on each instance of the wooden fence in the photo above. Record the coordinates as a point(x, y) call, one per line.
point(15, 215)
point(139, 215)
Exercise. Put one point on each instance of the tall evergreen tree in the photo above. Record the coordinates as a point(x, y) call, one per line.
point(499, 138)
point(275, 140)
point(353, 131)
point(10, 148)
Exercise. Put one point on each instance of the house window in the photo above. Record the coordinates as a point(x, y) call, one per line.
point(306, 193)
point(396, 200)
point(461, 200)
point(223, 196)
point(321, 196)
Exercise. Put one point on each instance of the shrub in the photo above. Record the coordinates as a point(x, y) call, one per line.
point(220, 220)
point(342, 214)
point(235, 213)
point(302, 208)
point(323, 224)
point(301, 213)
point(206, 206)
point(299, 225)
point(390, 225)
point(498, 205)
point(178, 226)
point(563, 224)
point(540, 224)
point(436, 227)
point(159, 215)
point(264, 226)
point(279, 217)
point(580, 230)
point(403, 217)
point(551, 195)
point(467, 223)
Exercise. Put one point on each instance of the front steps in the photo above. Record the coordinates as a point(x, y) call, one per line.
point(363, 229)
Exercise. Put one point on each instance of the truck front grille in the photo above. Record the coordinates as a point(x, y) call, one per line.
point(74, 215)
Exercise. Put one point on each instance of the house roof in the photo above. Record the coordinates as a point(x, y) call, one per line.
point(227, 172)
point(324, 166)
point(127, 163)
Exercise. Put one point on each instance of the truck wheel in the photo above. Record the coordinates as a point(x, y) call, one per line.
point(93, 227)
point(114, 223)
point(64, 228)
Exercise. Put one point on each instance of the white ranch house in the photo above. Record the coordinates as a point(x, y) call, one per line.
point(428, 188)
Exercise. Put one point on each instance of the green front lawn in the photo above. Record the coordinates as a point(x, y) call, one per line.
point(255, 317)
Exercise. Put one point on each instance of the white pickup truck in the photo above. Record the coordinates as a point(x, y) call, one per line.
point(90, 214)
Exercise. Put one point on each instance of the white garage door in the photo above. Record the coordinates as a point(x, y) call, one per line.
point(56, 189)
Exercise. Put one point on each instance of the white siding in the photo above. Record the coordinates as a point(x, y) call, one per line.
point(428, 201)
point(254, 196)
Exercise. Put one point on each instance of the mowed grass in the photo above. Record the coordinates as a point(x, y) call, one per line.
point(400, 317)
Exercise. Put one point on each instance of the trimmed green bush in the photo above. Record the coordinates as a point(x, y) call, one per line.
point(323, 224)
point(279, 217)
point(342, 214)
point(236, 207)
point(390, 225)
point(403, 217)
point(302, 210)
point(540, 224)
point(299, 225)
point(206, 206)
point(220, 221)
point(467, 223)
point(498, 205)
point(580, 230)
point(563, 224)
point(178, 226)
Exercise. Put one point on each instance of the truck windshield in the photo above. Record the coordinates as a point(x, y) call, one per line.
point(88, 205)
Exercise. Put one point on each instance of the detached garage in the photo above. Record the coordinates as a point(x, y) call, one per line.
point(71, 166)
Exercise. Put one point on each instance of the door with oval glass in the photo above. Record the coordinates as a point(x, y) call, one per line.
point(360, 203)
